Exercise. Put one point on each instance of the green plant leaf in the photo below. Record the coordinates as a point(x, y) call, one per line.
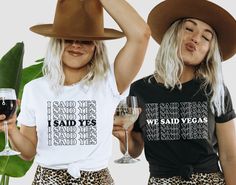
point(13, 166)
point(30, 73)
point(39, 60)
point(12, 75)
point(11, 67)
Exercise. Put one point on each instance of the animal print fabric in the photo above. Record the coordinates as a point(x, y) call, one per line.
point(45, 176)
point(196, 179)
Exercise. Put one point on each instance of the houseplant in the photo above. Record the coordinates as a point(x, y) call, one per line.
point(13, 76)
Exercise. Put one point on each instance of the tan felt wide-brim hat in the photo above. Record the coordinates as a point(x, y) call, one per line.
point(78, 20)
point(47, 30)
point(167, 12)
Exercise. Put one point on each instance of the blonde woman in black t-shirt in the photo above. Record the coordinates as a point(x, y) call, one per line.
point(187, 123)
point(66, 115)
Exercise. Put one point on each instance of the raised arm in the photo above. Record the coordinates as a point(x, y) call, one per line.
point(226, 134)
point(131, 56)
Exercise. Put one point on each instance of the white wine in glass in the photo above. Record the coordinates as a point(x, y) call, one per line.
point(127, 112)
point(8, 108)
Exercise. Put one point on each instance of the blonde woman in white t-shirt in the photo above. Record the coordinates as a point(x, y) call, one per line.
point(67, 115)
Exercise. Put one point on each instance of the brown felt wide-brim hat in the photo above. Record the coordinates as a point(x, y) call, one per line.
point(78, 20)
point(167, 12)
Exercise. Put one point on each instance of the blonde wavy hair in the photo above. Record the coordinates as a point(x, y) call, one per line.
point(53, 68)
point(169, 67)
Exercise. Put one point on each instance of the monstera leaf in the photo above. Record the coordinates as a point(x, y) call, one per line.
point(11, 67)
point(12, 166)
point(12, 75)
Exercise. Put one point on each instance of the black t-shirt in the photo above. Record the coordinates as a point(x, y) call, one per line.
point(178, 127)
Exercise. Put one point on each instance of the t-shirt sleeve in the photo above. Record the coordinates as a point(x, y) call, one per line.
point(229, 111)
point(136, 127)
point(113, 85)
point(27, 113)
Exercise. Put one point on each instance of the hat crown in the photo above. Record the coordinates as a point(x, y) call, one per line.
point(78, 20)
point(167, 12)
point(84, 17)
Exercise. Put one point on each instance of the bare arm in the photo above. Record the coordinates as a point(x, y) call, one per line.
point(130, 58)
point(226, 134)
point(23, 140)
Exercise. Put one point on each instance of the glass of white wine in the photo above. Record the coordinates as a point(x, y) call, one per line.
point(8, 108)
point(127, 112)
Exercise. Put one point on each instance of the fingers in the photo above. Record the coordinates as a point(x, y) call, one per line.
point(11, 121)
point(2, 117)
point(116, 134)
point(140, 110)
point(119, 134)
point(118, 130)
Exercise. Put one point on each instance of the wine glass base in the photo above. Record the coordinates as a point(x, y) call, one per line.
point(126, 159)
point(9, 152)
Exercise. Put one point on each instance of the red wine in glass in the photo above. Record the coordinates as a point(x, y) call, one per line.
point(8, 108)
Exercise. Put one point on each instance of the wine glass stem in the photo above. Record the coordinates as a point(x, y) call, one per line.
point(6, 135)
point(126, 143)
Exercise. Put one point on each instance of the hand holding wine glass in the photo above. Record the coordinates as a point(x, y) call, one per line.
point(127, 112)
point(7, 108)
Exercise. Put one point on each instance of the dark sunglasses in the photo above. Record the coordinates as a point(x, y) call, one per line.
point(84, 42)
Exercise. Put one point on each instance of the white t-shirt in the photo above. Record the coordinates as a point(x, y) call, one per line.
point(74, 128)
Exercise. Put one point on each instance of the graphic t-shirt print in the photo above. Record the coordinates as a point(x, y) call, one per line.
point(71, 123)
point(176, 120)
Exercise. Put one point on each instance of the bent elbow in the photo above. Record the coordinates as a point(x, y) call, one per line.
point(144, 34)
point(28, 157)
point(147, 32)
point(141, 35)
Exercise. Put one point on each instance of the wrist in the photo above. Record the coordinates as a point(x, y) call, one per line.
point(12, 131)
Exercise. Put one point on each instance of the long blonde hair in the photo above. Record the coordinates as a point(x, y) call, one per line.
point(53, 68)
point(169, 67)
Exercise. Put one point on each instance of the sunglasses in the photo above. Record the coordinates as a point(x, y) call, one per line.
point(83, 42)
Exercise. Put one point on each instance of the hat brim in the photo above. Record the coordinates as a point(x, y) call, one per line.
point(47, 30)
point(167, 12)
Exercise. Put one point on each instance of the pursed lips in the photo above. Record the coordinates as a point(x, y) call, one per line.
point(190, 47)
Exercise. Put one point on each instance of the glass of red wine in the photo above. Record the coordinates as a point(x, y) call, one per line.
point(8, 108)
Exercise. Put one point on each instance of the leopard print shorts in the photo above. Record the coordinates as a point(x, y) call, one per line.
point(45, 176)
point(196, 179)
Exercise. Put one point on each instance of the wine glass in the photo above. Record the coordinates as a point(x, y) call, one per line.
point(127, 112)
point(8, 108)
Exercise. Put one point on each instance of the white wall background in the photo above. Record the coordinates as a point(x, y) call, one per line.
point(17, 16)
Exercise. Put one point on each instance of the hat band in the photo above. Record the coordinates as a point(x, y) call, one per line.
point(62, 30)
